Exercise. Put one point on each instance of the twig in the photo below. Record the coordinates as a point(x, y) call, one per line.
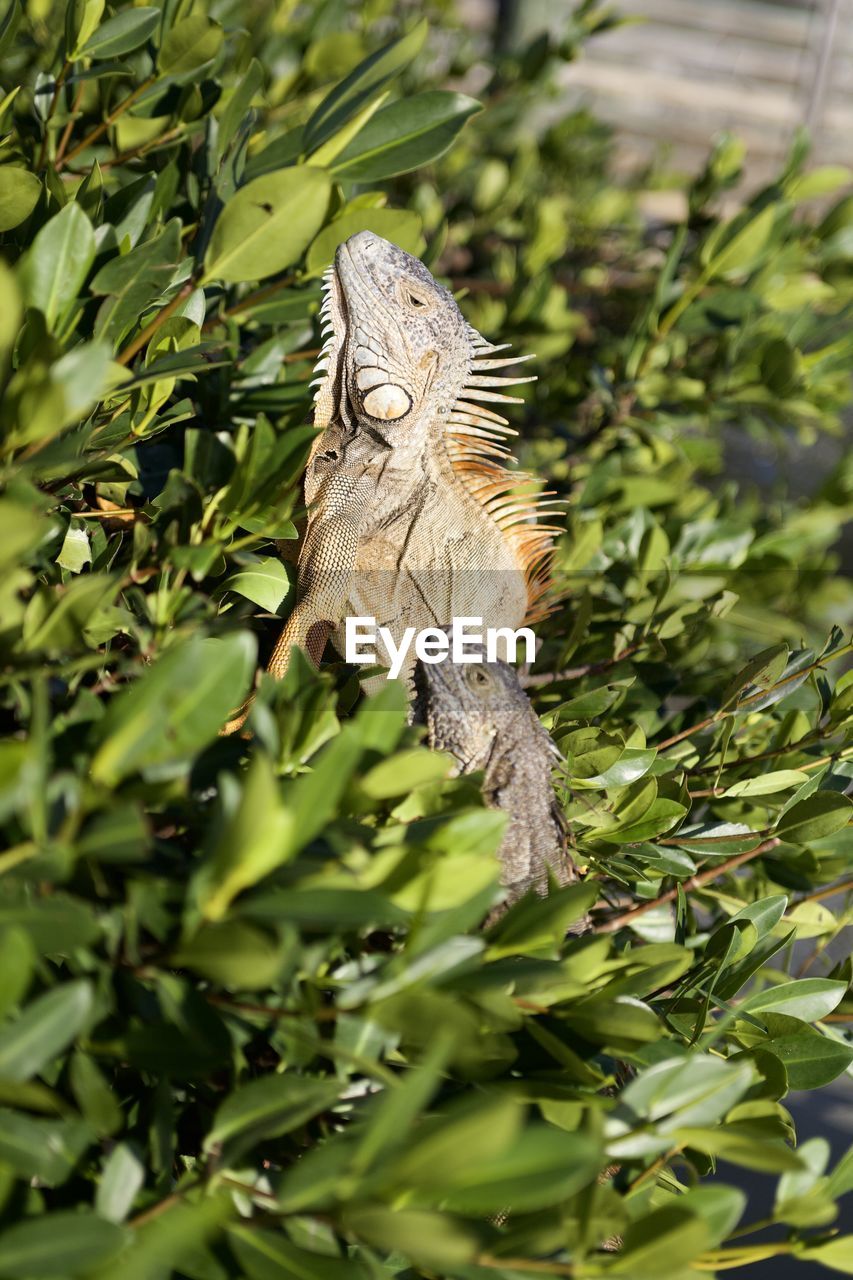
point(574, 673)
point(133, 153)
point(745, 703)
point(826, 892)
point(326, 1013)
point(101, 129)
point(493, 1261)
point(250, 300)
point(161, 317)
point(69, 126)
point(148, 1215)
point(688, 886)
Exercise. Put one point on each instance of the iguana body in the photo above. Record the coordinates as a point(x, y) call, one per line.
point(412, 517)
point(479, 713)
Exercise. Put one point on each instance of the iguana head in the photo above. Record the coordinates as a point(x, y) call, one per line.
point(469, 707)
point(398, 352)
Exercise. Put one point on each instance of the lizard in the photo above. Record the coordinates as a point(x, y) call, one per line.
point(414, 516)
point(478, 712)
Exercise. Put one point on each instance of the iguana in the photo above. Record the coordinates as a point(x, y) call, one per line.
point(413, 516)
point(479, 713)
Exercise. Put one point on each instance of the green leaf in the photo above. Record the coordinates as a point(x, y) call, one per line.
point(808, 998)
point(134, 280)
point(435, 1241)
point(16, 967)
point(11, 313)
point(740, 254)
point(835, 1255)
point(81, 20)
point(233, 954)
point(56, 265)
point(761, 671)
point(720, 1207)
point(173, 710)
point(122, 1177)
point(817, 816)
point(403, 772)
point(767, 783)
point(56, 925)
point(542, 1167)
point(405, 135)
point(673, 1233)
point(63, 1243)
point(259, 836)
point(269, 1255)
point(365, 81)
point(126, 31)
point(267, 225)
point(9, 22)
point(811, 1058)
point(264, 583)
point(43, 1030)
point(401, 226)
point(19, 195)
point(93, 1096)
point(43, 1149)
point(267, 1108)
point(191, 42)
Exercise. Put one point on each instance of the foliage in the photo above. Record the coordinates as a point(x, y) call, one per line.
point(251, 1025)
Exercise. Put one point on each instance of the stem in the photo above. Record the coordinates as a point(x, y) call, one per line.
point(69, 126)
point(524, 1264)
point(572, 673)
point(753, 697)
point(101, 129)
point(826, 892)
point(250, 300)
point(154, 1212)
point(133, 153)
point(695, 882)
point(150, 329)
point(20, 853)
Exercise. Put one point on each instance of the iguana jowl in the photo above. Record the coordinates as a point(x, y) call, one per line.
point(413, 518)
point(479, 713)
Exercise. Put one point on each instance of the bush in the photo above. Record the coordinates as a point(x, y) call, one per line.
point(251, 1025)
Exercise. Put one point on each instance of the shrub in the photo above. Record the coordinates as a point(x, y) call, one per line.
point(251, 1024)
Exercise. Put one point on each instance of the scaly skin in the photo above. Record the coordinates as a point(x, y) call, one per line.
point(412, 517)
point(479, 713)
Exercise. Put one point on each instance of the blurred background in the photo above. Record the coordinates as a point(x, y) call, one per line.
point(688, 69)
point(669, 82)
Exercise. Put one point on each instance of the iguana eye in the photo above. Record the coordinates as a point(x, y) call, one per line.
point(479, 677)
point(413, 298)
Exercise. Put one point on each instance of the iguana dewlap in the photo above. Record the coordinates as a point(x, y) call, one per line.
point(413, 517)
point(479, 713)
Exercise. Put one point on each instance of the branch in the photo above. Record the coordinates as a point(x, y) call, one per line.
point(745, 703)
point(250, 300)
point(161, 317)
point(574, 673)
point(695, 882)
point(101, 129)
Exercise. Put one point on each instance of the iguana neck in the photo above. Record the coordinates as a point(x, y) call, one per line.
point(517, 780)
